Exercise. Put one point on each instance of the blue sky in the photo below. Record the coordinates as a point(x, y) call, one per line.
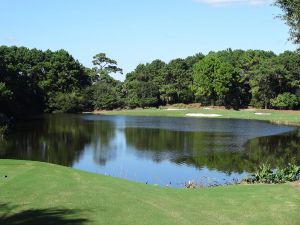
point(139, 31)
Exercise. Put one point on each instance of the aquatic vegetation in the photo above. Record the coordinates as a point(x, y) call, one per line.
point(265, 174)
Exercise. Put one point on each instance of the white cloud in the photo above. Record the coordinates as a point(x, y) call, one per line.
point(232, 2)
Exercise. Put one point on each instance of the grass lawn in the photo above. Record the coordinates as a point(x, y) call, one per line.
point(40, 193)
point(285, 117)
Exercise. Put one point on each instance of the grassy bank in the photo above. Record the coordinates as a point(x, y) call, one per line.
point(283, 117)
point(39, 193)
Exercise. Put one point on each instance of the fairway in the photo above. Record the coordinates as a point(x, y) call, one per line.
point(40, 193)
point(280, 117)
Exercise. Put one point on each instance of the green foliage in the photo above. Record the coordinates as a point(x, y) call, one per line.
point(285, 101)
point(204, 72)
point(66, 102)
point(142, 94)
point(106, 93)
point(141, 86)
point(291, 15)
point(275, 76)
point(5, 94)
point(104, 65)
point(265, 174)
point(158, 83)
point(217, 81)
point(229, 78)
point(177, 81)
point(287, 174)
point(33, 81)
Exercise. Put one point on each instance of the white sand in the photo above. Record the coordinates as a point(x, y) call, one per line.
point(174, 109)
point(202, 115)
point(263, 114)
point(250, 110)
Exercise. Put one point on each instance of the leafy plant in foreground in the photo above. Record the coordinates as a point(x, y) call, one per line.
point(266, 175)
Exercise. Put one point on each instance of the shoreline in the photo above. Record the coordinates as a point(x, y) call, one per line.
point(279, 117)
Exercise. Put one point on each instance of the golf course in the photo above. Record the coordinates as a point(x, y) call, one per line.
point(288, 117)
point(41, 193)
point(173, 112)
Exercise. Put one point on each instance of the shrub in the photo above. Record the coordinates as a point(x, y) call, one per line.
point(287, 174)
point(266, 175)
point(285, 101)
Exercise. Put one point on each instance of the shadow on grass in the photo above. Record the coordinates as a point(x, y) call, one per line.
point(50, 216)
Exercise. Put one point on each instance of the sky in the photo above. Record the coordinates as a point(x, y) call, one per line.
point(139, 31)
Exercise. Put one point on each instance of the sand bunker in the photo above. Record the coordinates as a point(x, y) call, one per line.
point(174, 109)
point(202, 115)
point(263, 114)
point(250, 110)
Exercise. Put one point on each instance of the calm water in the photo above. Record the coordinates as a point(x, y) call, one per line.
point(157, 150)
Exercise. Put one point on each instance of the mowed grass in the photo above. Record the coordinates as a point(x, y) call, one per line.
point(40, 193)
point(284, 117)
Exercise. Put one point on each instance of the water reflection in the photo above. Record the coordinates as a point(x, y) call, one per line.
point(102, 141)
point(214, 150)
point(140, 148)
point(54, 139)
point(276, 150)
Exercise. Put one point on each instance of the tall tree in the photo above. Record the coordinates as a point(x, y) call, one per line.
point(216, 81)
point(277, 76)
point(291, 15)
point(104, 65)
point(177, 82)
point(142, 85)
point(105, 91)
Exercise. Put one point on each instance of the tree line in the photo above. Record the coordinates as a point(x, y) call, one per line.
point(231, 78)
point(34, 81)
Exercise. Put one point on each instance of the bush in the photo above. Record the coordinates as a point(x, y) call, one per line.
point(285, 101)
point(287, 174)
point(266, 175)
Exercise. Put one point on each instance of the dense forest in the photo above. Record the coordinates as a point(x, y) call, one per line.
point(34, 81)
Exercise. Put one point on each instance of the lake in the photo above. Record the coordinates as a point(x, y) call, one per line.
point(154, 150)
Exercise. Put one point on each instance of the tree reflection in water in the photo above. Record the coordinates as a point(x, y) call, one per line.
point(214, 150)
point(59, 139)
point(67, 139)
